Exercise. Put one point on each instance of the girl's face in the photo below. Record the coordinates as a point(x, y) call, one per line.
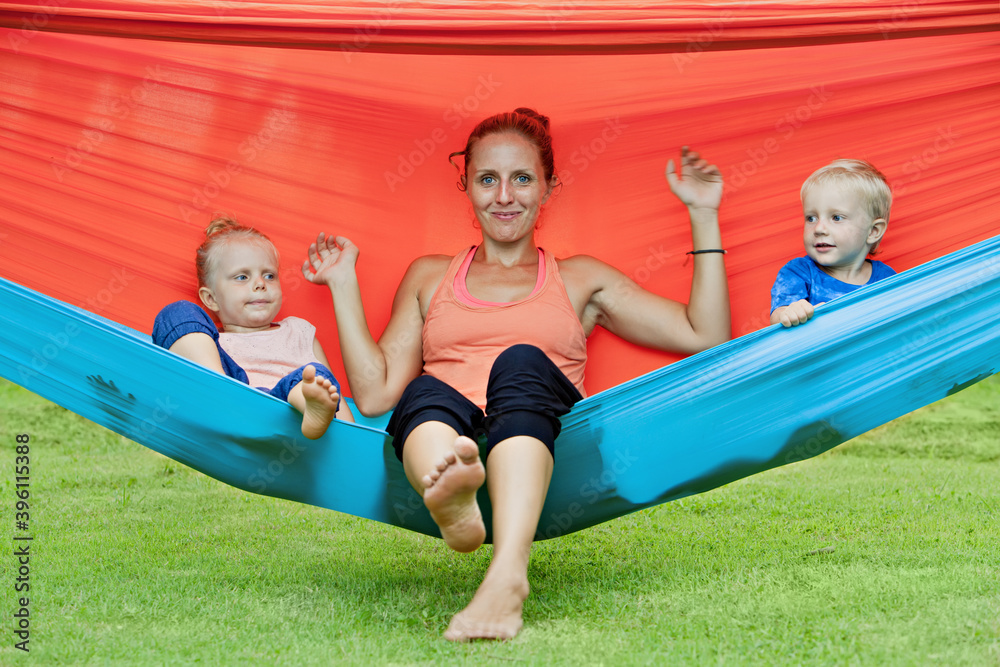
point(243, 287)
point(506, 185)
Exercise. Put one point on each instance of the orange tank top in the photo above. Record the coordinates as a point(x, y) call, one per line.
point(462, 335)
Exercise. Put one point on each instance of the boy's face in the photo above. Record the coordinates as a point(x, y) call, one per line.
point(243, 288)
point(838, 230)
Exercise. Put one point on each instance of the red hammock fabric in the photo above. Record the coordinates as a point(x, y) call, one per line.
point(123, 130)
point(567, 26)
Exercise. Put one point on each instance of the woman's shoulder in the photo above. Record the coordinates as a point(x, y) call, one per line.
point(428, 267)
point(581, 263)
point(423, 277)
point(431, 262)
point(585, 268)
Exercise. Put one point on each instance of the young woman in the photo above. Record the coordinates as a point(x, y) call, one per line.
point(493, 342)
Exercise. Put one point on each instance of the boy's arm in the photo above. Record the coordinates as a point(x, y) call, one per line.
point(789, 303)
point(793, 314)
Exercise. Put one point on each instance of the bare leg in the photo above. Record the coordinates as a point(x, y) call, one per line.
point(316, 398)
point(518, 474)
point(199, 348)
point(445, 468)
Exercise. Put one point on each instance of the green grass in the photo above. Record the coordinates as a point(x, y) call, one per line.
point(882, 551)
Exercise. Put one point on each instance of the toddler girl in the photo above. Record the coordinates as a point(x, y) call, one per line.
point(238, 281)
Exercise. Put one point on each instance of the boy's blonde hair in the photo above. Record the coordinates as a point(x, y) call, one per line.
point(870, 184)
point(221, 231)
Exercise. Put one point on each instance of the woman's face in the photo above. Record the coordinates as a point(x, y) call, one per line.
point(506, 185)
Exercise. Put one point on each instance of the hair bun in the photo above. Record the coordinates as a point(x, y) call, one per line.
point(221, 224)
point(531, 113)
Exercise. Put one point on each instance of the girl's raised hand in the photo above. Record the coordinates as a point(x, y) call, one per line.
point(699, 184)
point(330, 259)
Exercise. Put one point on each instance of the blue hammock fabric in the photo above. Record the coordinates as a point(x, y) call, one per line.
point(766, 399)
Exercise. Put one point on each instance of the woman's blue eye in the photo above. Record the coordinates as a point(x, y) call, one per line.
point(487, 180)
point(523, 179)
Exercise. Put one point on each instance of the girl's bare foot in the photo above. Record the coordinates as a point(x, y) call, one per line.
point(450, 495)
point(321, 397)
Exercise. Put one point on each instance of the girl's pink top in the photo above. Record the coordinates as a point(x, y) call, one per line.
point(268, 356)
point(462, 335)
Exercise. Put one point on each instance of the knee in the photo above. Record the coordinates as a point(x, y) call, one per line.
point(517, 364)
point(420, 385)
point(521, 355)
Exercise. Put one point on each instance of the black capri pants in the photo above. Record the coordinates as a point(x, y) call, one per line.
point(526, 395)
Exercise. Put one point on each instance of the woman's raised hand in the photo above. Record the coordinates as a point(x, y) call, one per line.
point(699, 184)
point(330, 258)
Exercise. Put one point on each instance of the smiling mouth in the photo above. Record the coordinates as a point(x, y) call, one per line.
point(506, 215)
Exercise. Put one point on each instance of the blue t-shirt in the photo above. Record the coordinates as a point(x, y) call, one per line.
point(802, 278)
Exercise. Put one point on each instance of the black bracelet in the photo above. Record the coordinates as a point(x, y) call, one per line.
point(702, 252)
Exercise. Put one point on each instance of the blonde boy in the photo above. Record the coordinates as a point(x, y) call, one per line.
point(846, 208)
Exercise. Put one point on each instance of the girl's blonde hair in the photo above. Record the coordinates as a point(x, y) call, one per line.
point(222, 231)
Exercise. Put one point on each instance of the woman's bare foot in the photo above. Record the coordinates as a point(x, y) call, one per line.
point(450, 495)
point(321, 397)
point(495, 610)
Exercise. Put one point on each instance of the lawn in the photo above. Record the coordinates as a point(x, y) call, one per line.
point(882, 551)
